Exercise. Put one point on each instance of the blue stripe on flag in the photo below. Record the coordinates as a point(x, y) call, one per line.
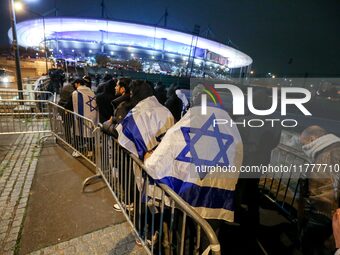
point(198, 196)
point(132, 132)
point(80, 104)
point(80, 112)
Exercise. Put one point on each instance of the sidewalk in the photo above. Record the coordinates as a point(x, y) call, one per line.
point(16, 174)
point(51, 215)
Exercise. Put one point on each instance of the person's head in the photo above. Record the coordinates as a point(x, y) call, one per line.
point(311, 133)
point(78, 82)
point(122, 86)
point(110, 87)
point(87, 80)
point(172, 90)
point(140, 90)
point(107, 77)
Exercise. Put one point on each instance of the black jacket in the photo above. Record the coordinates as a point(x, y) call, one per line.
point(66, 97)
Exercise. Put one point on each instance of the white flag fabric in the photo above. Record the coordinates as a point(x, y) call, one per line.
point(84, 103)
point(192, 144)
point(144, 126)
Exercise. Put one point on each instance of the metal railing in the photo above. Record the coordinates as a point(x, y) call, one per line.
point(285, 189)
point(24, 116)
point(13, 94)
point(162, 221)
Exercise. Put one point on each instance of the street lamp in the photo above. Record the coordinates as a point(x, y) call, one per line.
point(15, 47)
point(20, 7)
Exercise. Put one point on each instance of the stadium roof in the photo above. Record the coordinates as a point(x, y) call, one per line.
point(31, 34)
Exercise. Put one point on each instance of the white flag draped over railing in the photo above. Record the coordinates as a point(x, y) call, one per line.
point(194, 142)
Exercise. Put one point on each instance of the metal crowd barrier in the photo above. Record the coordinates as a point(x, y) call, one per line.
point(161, 220)
point(74, 131)
point(13, 94)
point(24, 116)
point(285, 190)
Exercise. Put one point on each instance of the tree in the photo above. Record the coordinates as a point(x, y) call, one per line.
point(102, 60)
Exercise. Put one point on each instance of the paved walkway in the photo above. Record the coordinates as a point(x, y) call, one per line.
point(114, 240)
point(16, 175)
point(17, 170)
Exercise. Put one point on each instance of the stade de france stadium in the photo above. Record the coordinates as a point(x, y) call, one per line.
point(83, 38)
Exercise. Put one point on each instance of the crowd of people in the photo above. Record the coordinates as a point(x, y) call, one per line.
point(148, 119)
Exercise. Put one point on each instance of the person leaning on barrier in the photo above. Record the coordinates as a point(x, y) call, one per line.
point(323, 187)
point(178, 159)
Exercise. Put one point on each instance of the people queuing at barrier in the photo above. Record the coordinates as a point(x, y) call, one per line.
point(133, 113)
point(323, 188)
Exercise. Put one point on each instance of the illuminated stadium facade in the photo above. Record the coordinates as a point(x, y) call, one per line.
point(82, 38)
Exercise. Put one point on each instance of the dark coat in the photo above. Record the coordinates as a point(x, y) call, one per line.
point(66, 97)
point(175, 106)
point(104, 100)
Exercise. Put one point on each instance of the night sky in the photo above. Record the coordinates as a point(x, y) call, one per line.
point(282, 36)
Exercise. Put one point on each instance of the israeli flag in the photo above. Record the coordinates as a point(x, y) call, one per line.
point(144, 126)
point(200, 162)
point(84, 103)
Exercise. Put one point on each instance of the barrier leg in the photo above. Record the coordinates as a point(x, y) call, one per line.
point(92, 179)
point(43, 139)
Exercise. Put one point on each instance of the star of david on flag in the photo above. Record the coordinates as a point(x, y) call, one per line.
point(89, 103)
point(224, 141)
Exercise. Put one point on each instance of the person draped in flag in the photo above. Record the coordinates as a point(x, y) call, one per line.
point(190, 157)
point(146, 123)
point(84, 104)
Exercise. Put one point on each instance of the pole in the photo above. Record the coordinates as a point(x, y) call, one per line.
point(166, 17)
point(43, 18)
point(16, 48)
point(103, 8)
point(55, 8)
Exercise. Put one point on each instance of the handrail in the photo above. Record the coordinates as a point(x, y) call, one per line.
point(214, 243)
